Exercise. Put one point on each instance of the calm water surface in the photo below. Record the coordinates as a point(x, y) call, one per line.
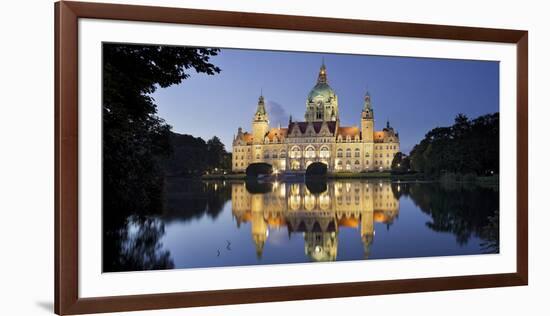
point(223, 223)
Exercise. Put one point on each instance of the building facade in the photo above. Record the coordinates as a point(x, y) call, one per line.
point(318, 217)
point(319, 138)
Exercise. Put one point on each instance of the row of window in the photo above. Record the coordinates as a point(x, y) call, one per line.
point(387, 147)
point(310, 153)
point(381, 155)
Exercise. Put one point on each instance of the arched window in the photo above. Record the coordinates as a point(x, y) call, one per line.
point(283, 154)
point(348, 152)
point(324, 152)
point(367, 154)
point(357, 162)
point(266, 154)
point(340, 153)
point(275, 155)
point(295, 152)
point(310, 152)
point(357, 153)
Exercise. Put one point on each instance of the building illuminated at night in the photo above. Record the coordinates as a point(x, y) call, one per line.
point(318, 216)
point(319, 138)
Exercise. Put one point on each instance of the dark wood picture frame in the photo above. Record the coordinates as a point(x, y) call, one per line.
point(67, 299)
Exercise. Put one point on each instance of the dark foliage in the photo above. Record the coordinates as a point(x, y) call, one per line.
point(134, 138)
point(401, 162)
point(260, 168)
point(469, 146)
point(316, 169)
point(192, 156)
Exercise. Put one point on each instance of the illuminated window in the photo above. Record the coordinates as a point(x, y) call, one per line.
point(310, 152)
point(324, 152)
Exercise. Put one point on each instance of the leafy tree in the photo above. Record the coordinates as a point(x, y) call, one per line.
point(134, 136)
point(216, 152)
point(400, 162)
point(134, 139)
point(316, 169)
point(192, 156)
point(259, 168)
point(466, 147)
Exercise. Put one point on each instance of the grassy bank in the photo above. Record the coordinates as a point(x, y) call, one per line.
point(359, 175)
point(233, 176)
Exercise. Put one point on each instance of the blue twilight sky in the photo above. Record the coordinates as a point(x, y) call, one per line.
point(415, 94)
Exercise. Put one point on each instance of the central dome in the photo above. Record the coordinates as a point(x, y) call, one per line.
point(321, 90)
point(322, 102)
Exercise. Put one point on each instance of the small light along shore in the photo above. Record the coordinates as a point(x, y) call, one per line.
point(486, 180)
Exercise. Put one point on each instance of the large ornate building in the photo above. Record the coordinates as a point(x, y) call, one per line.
point(319, 138)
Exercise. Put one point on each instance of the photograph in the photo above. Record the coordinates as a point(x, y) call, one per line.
point(223, 157)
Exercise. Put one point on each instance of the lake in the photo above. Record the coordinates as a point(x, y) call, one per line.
point(234, 223)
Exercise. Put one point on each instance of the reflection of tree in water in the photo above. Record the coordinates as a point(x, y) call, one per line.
point(458, 208)
point(490, 234)
point(133, 244)
point(191, 199)
point(132, 239)
point(141, 248)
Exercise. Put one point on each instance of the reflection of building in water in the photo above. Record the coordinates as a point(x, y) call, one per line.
point(318, 216)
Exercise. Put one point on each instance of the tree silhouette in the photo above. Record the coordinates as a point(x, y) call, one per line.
point(469, 146)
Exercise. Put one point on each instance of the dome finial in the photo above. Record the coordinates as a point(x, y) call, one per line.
point(322, 72)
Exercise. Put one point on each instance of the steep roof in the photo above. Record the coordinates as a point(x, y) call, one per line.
point(316, 126)
point(247, 137)
point(350, 131)
point(385, 136)
point(280, 133)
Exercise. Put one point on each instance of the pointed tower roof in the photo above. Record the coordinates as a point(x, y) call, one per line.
point(261, 113)
point(368, 104)
point(322, 78)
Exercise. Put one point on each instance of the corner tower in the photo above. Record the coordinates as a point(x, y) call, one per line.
point(322, 101)
point(260, 123)
point(367, 120)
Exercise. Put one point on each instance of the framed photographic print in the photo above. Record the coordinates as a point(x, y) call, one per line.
point(211, 157)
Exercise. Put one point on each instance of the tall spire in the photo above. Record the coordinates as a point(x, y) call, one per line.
point(261, 113)
point(368, 103)
point(322, 78)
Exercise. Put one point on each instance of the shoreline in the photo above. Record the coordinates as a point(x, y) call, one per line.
point(487, 180)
